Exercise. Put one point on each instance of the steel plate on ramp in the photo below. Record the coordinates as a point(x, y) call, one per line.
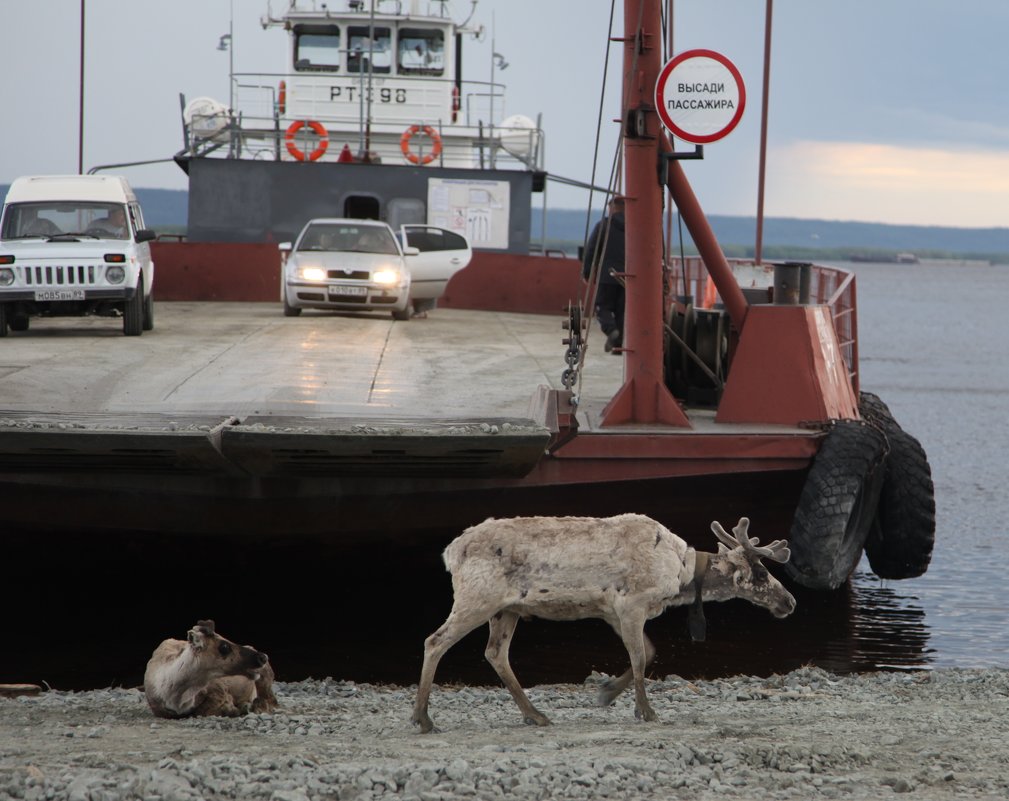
point(320, 447)
point(111, 443)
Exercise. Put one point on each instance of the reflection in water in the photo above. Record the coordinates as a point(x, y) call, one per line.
point(888, 627)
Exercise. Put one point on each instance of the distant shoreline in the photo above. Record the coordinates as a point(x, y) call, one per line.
point(167, 210)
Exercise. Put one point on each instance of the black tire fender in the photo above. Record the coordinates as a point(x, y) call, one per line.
point(837, 506)
point(900, 541)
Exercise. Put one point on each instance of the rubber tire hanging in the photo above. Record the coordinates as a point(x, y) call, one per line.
point(837, 506)
point(902, 536)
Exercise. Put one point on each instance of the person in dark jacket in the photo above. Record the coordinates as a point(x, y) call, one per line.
point(608, 234)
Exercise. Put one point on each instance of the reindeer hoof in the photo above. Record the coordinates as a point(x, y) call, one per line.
point(648, 714)
point(540, 720)
point(608, 692)
point(425, 723)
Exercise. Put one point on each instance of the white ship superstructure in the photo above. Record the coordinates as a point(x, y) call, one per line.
point(379, 82)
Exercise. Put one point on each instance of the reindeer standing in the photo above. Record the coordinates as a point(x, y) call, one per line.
point(625, 569)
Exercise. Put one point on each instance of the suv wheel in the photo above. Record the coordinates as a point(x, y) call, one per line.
point(149, 311)
point(133, 312)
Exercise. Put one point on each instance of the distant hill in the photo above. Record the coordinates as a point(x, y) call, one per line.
point(812, 236)
point(783, 236)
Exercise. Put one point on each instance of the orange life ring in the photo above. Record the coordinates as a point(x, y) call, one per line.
point(413, 158)
point(297, 152)
point(282, 98)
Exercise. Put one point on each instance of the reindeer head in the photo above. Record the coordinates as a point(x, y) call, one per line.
point(221, 657)
point(750, 579)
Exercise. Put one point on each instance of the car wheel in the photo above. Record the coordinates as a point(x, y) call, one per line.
point(3, 319)
point(289, 310)
point(149, 311)
point(402, 315)
point(19, 322)
point(133, 312)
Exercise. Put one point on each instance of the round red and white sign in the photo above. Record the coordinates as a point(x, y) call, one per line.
point(700, 96)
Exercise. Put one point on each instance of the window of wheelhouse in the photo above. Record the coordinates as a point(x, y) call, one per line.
point(421, 51)
point(317, 48)
point(360, 48)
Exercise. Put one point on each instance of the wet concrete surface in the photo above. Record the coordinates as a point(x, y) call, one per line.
point(246, 358)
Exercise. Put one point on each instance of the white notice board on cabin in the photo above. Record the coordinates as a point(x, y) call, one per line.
point(479, 209)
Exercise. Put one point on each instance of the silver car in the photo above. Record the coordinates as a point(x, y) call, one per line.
point(346, 265)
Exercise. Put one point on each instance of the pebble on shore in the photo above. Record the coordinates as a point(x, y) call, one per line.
point(804, 734)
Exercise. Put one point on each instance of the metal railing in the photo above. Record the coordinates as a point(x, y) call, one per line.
point(256, 126)
point(829, 286)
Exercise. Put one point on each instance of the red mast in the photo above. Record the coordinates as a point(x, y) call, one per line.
point(644, 397)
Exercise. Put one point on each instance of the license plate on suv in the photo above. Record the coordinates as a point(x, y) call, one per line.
point(352, 291)
point(59, 294)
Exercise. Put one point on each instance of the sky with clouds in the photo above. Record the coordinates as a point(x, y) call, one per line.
point(891, 111)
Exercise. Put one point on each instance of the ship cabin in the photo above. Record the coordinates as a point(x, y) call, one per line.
point(375, 84)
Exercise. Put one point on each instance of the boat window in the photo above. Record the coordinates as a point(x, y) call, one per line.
point(361, 207)
point(421, 51)
point(359, 46)
point(317, 48)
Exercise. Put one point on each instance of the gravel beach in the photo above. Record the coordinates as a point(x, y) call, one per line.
point(931, 735)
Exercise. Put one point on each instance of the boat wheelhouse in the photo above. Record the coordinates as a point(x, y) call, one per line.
point(374, 98)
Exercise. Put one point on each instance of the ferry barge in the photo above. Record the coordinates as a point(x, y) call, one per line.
point(750, 407)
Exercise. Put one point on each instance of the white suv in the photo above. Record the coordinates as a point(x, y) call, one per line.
point(75, 245)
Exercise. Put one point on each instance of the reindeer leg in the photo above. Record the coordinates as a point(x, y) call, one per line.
point(632, 632)
point(611, 688)
point(459, 623)
point(502, 627)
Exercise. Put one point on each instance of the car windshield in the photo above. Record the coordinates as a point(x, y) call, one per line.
point(56, 218)
point(344, 238)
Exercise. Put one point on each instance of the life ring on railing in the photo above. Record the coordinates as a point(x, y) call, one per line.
point(297, 152)
point(282, 98)
point(413, 158)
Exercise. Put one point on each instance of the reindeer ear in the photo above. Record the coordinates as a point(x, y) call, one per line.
point(197, 638)
point(722, 548)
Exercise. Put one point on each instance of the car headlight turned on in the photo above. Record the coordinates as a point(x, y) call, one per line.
point(387, 277)
point(311, 273)
point(115, 274)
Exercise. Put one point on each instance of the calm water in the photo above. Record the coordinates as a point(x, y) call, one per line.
point(932, 345)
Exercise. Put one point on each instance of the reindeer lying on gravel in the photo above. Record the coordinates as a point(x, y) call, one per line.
point(208, 675)
point(625, 570)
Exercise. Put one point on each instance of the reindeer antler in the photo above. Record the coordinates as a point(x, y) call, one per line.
point(777, 551)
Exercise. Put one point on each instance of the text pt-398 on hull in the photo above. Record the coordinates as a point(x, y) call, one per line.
point(750, 406)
